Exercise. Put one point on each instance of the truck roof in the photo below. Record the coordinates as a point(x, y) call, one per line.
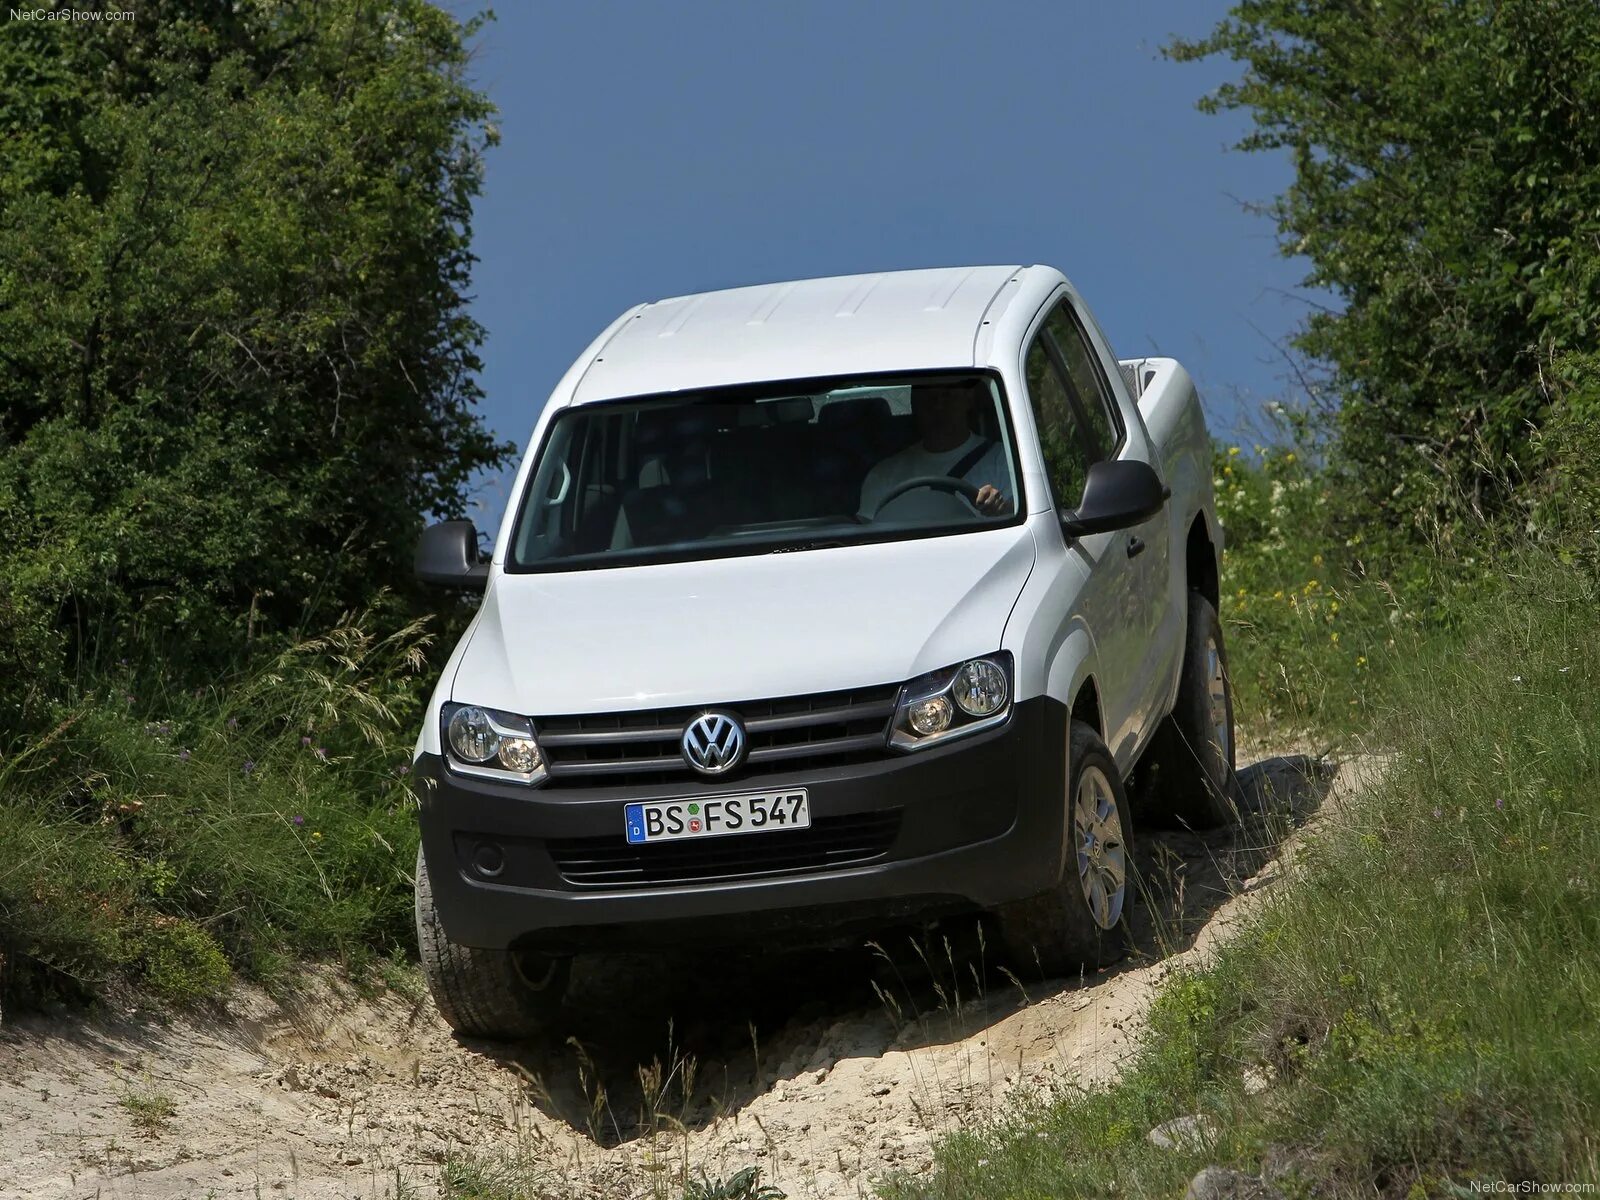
point(843, 325)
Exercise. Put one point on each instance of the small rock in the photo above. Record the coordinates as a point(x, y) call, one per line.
point(1256, 1080)
point(1223, 1183)
point(883, 1089)
point(819, 1075)
point(1282, 1164)
point(1193, 1132)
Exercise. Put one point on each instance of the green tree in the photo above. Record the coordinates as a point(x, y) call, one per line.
point(236, 364)
point(1447, 191)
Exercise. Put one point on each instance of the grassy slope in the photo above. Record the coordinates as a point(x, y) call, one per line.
point(1428, 999)
point(168, 839)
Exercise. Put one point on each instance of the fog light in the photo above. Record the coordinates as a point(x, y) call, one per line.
point(931, 716)
point(980, 688)
point(519, 754)
point(488, 859)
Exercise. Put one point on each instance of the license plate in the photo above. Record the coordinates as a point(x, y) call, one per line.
point(717, 816)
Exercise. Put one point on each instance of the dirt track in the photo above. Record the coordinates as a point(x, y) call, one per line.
point(825, 1070)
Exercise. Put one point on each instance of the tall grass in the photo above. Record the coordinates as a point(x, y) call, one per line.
point(172, 837)
point(1426, 996)
point(1306, 627)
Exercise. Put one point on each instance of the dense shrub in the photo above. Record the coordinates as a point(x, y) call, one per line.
point(236, 364)
point(1447, 194)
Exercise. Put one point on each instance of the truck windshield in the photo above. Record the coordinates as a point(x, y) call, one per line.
point(769, 468)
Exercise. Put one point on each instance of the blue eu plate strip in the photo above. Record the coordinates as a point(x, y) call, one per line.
point(634, 815)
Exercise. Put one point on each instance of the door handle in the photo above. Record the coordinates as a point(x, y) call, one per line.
point(1135, 546)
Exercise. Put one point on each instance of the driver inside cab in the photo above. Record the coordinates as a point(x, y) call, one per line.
point(946, 447)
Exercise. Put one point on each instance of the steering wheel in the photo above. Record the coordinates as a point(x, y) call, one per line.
point(944, 483)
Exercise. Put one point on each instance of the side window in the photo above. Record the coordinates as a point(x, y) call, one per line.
point(1089, 388)
point(1066, 456)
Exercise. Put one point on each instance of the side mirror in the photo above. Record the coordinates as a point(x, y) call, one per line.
point(1116, 495)
point(447, 554)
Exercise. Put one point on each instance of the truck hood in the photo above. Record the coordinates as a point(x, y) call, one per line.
point(723, 630)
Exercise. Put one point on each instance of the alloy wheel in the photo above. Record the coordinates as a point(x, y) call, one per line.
point(1102, 854)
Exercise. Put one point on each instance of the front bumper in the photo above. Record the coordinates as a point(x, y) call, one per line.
point(967, 826)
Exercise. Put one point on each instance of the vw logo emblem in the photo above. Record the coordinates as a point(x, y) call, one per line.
point(713, 743)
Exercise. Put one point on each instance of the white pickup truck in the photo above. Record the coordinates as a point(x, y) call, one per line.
point(818, 606)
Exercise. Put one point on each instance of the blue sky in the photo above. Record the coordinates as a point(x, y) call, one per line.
point(653, 149)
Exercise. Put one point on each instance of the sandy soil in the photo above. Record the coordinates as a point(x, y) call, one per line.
point(824, 1069)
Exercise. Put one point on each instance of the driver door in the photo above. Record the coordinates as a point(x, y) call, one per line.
point(1080, 423)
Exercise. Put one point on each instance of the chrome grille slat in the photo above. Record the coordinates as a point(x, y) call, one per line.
point(603, 737)
point(857, 712)
point(841, 745)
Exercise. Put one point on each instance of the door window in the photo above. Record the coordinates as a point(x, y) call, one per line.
point(1061, 434)
point(1081, 366)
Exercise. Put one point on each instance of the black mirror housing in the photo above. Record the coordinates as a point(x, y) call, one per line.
point(1117, 495)
point(447, 555)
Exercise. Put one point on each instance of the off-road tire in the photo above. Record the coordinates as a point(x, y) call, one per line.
point(485, 993)
point(1055, 933)
point(1187, 779)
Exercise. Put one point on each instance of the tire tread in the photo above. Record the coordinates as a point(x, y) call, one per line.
point(478, 992)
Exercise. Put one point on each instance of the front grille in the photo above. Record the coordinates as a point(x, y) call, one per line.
point(797, 731)
point(610, 862)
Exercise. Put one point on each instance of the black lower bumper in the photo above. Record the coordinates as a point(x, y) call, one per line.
point(962, 827)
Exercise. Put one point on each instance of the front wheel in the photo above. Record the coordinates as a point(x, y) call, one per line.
point(1082, 920)
point(500, 994)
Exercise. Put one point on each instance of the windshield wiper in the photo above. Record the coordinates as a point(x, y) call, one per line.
point(805, 546)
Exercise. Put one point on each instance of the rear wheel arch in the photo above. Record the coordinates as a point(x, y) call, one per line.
point(1200, 562)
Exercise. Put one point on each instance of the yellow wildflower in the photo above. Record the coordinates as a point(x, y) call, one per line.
point(1233, 452)
point(1316, 560)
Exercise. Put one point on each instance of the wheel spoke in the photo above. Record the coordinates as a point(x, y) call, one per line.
point(1102, 902)
point(1113, 867)
point(1102, 859)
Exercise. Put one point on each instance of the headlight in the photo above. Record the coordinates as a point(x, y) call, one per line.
point(953, 702)
point(493, 744)
point(980, 688)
